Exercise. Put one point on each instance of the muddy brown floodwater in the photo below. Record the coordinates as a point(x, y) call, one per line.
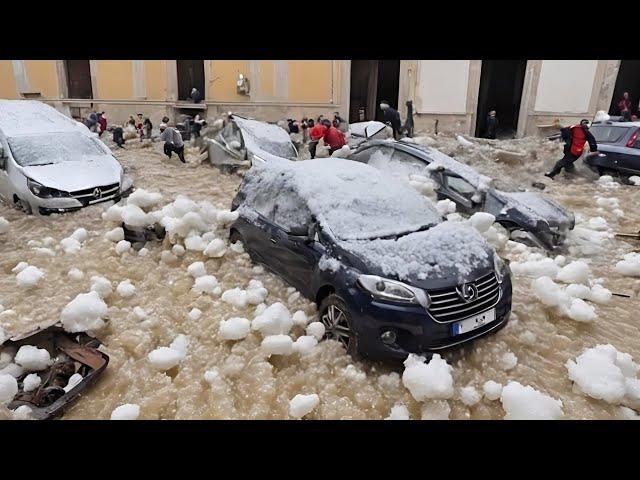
point(252, 386)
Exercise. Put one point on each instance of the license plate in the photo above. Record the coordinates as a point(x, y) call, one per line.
point(471, 323)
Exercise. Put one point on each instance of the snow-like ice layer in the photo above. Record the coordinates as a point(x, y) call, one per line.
point(4, 225)
point(126, 289)
point(575, 272)
point(629, 266)
point(428, 380)
point(8, 388)
point(399, 412)
point(33, 359)
point(604, 373)
point(74, 380)
point(302, 405)
point(329, 264)
point(75, 274)
point(508, 361)
point(144, 199)
point(206, 284)
point(128, 411)
point(526, 403)
point(469, 395)
point(445, 207)
point(492, 390)
point(123, 246)
point(194, 314)
point(197, 269)
point(101, 286)
point(316, 330)
point(29, 277)
point(450, 248)
point(235, 328)
point(85, 312)
point(277, 345)
point(275, 319)
point(305, 344)
point(115, 235)
point(227, 217)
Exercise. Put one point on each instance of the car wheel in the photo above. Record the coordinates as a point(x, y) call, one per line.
point(335, 316)
point(24, 206)
point(234, 236)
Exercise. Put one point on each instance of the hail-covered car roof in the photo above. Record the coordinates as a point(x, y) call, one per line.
point(30, 117)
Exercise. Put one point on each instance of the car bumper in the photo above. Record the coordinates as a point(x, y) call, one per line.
point(415, 329)
point(65, 205)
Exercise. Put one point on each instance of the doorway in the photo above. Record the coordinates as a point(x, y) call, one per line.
point(371, 82)
point(190, 74)
point(628, 81)
point(501, 83)
point(78, 79)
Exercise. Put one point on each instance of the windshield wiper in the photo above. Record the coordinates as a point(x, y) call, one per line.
point(396, 236)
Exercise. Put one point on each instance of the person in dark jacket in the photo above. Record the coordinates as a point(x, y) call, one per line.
point(196, 96)
point(118, 136)
point(624, 105)
point(492, 125)
point(148, 127)
point(575, 138)
point(92, 122)
point(293, 126)
point(102, 121)
point(172, 141)
point(392, 117)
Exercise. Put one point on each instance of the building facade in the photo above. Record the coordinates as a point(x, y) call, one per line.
point(447, 95)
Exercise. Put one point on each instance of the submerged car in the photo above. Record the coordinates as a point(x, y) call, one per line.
point(389, 276)
point(362, 131)
point(244, 141)
point(526, 215)
point(50, 163)
point(71, 354)
point(618, 148)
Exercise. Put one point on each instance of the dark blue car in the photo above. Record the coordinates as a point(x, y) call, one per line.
point(388, 275)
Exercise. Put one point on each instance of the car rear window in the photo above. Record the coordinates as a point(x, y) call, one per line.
point(608, 133)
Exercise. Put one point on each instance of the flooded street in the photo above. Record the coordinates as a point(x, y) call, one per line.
point(251, 385)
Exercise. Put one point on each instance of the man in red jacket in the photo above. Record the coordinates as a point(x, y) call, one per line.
point(316, 133)
point(333, 137)
point(575, 138)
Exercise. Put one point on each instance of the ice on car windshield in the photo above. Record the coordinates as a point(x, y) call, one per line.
point(267, 137)
point(608, 133)
point(34, 150)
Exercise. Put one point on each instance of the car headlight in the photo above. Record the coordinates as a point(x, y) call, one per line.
point(500, 266)
point(41, 191)
point(387, 289)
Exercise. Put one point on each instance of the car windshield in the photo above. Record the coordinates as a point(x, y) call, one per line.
point(608, 133)
point(51, 148)
point(267, 137)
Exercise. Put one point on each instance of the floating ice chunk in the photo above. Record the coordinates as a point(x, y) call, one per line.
point(180, 344)
point(277, 345)
point(581, 311)
point(560, 260)
point(23, 412)
point(212, 376)
point(463, 141)
point(576, 290)
point(528, 337)
point(300, 318)
point(140, 313)
point(4, 225)
point(274, 320)
point(80, 234)
point(75, 274)
point(508, 361)
point(195, 243)
point(13, 369)
point(3, 335)
point(492, 390)
point(481, 221)
point(85, 312)
point(45, 252)
point(178, 250)
point(74, 380)
point(302, 405)
point(113, 214)
point(8, 388)
point(469, 396)
point(428, 380)
point(143, 252)
point(625, 413)
point(115, 235)
point(536, 268)
point(29, 277)
point(102, 286)
point(33, 359)
point(128, 411)
point(226, 217)
point(70, 245)
point(445, 207)
point(164, 358)
point(598, 223)
point(234, 328)
point(216, 248)
point(633, 179)
point(134, 216)
point(316, 329)
point(399, 412)
point(550, 293)
point(304, 344)
point(206, 284)
point(195, 314)
point(196, 269)
point(237, 247)
point(435, 410)
point(144, 199)
point(123, 246)
point(19, 267)
point(126, 289)
point(527, 403)
point(630, 265)
point(575, 272)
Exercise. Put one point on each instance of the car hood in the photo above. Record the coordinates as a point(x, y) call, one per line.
point(530, 207)
point(93, 171)
point(448, 254)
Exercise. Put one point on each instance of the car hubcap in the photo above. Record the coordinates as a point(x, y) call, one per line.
point(336, 326)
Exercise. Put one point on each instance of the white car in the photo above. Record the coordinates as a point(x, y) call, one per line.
point(49, 163)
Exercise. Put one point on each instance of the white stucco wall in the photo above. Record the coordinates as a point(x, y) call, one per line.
point(442, 86)
point(565, 86)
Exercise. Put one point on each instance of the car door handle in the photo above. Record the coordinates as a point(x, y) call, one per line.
point(273, 240)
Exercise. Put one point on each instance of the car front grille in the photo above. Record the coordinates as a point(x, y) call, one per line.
point(89, 195)
point(448, 306)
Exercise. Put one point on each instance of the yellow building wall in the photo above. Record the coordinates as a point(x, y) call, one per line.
point(7, 80)
point(310, 81)
point(266, 68)
point(155, 72)
point(222, 80)
point(115, 79)
point(43, 77)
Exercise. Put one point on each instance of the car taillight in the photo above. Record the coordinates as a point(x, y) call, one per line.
point(632, 140)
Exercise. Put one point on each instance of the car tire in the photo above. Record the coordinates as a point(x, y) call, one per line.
point(333, 309)
point(24, 206)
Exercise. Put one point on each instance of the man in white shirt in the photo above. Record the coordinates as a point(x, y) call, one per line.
point(172, 141)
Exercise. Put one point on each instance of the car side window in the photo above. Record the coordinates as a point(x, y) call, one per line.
point(291, 212)
point(232, 134)
point(460, 186)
